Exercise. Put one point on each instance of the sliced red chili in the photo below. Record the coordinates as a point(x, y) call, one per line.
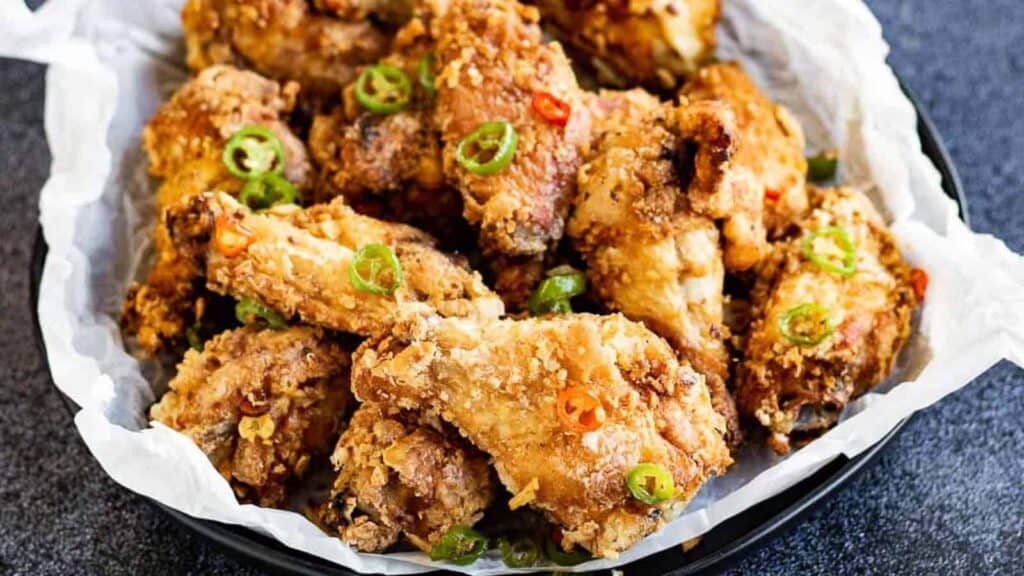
point(230, 238)
point(551, 108)
point(772, 195)
point(919, 282)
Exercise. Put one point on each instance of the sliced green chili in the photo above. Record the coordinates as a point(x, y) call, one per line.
point(266, 191)
point(560, 557)
point(823, 167)
point(650, 483)
point(520, 552)
point(383, 89)
point(840, 258)
point(248, 310)
point(252, 152)
point(194, 336)
point(460, 546)
point(489, 149)
point(807, 324)
point(425, 73)
point(553, 294)
point(371, 266)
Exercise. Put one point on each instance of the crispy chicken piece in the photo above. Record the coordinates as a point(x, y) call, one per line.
point(297, 262)
point(770, 144)
point(399, 472)
point(184, 142)
point(283, 39)
point(656, 43)
point(260, 404)
point(498, 382)
point(720, 187)
point(799, 389)
point(649, 255)
point(492, 63)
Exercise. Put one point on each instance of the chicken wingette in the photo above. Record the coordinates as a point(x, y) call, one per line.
point(831, 309)
point(590, 419)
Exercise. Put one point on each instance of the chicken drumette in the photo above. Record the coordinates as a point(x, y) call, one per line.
point(566, 407)
point(297, 262)
point(260, 404)
point(185, 142)
point(648, 254)
point(402, 473)
point(832, 310)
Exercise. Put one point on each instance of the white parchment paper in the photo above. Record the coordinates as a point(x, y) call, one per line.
point(112, 62)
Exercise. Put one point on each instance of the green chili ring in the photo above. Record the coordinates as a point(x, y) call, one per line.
point(263, 153)
point(391, 89)
point(425, 73)
point(849, 263)
point(461, 546)
point(377, 258)
point(521, 552)
point(248, 310)
point(554, 293)
point(823, 167)
point(497, 136)
point(805, 312)
point(650, 483)
point(267, 191)
point(560, 557)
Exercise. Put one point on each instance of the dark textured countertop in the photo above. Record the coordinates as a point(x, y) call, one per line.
point(946, 497)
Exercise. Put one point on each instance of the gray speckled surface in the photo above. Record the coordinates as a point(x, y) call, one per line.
point(945, 498)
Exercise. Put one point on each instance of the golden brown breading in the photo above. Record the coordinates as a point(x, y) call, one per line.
point(260, 404)
point(770, 145)
point(613, 109)
point(283, 39)
point(492, 63)
point(720, 188)
point(498, 382)
point(297, 262)
point(648, 255)
point(401, 473)
point(656, 43)
point(390, 11)
point(791, 388)
point(184, 142)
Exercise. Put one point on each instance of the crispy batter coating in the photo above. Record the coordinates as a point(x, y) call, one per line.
point(492, 62)
point(283, 39)
point(260, 404)
point(649, 255)
point(390, 11)
point(794, 389)
point(613, 109)
point(497, 383)
point(770, 145)
point(297, 262)
point(656, 43)
point(399, 472)
point(184, 142)
point(720, 187)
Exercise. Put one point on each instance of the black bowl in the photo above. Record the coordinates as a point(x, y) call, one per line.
point(718, 549)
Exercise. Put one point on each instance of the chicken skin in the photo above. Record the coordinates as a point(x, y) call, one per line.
point(493, 64)
point(297, 262)
point(185, 141)
point(282, 39)
point(399, 473)
point(823, 334)
point(770, 146)
point(649, 255)
point(656, 43)
point(502, 385)
point(260, 404)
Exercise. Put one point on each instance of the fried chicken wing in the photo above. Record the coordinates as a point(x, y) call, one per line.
point(184, 142)
point(297, 262)
point(493, 63)
point(260, 404)
point(649, 255)
point(656, 43)
point(283, 39)
point(499, 383)
point(720, 187)
point(797, 385)
point(770, 146)
point(399, 472)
